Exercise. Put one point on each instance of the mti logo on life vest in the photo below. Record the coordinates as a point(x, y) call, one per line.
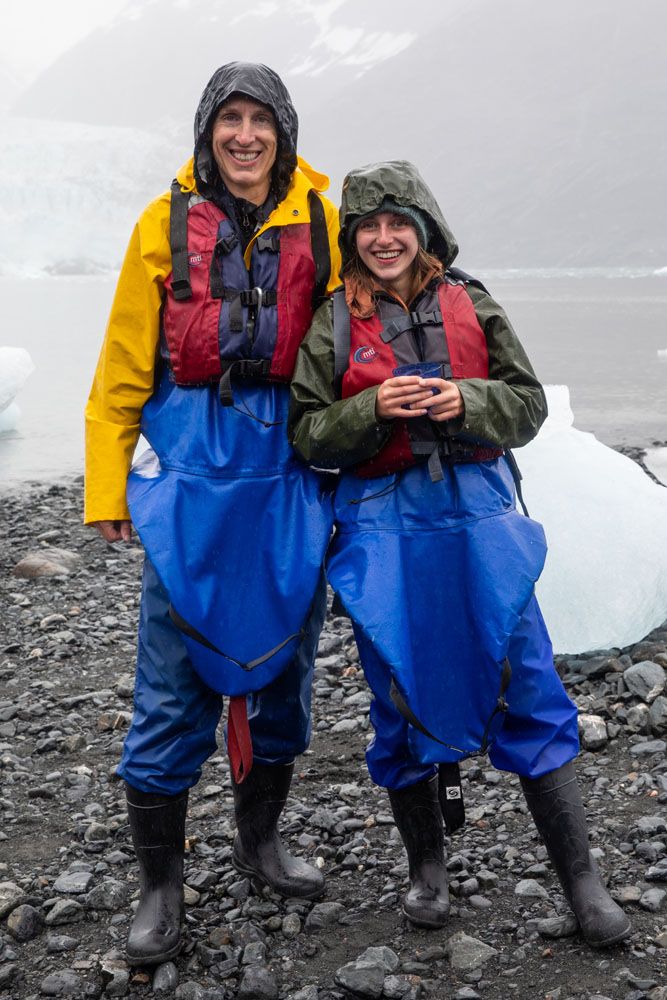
point(194, 259)
point(365, 354)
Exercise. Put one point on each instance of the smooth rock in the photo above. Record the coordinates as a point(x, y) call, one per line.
point(467, 953)
point(258, 983)
point(60, 942)
point(108, 895)
point(364, 979)
point(651, 747)
point(65, 911)
point(558, 927)
point(10, 897)
point(73, 882)
point(592, 731)
point(323, 915)
point(657, 716)
point(529, 888)
point(47, 562)
point(653, 900)
point(165, 978)
point(383, 956)
point(65, 983)
point(25, 923)
point(646, 680)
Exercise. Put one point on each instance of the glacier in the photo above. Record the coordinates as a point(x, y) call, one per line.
point(605, 580)
point(74, 192)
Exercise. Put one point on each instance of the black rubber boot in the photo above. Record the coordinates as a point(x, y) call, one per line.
point(418, 817)
point(555, 803)
point(258, 850)
point(157, 823)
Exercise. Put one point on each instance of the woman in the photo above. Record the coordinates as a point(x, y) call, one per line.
point(432, 561)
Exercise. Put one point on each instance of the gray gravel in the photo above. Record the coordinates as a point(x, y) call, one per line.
point(67, 876)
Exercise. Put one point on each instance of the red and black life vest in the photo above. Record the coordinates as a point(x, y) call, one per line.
point(444, 329)
point(221, 319)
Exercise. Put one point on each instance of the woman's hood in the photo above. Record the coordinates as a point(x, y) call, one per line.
point(365, 189)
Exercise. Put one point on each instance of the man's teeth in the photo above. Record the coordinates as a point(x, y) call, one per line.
point(244, 157)
point(387, 254)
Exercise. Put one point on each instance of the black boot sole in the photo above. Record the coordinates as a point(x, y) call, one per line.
point(148, 961)
point(610, 942)
point(431, 925)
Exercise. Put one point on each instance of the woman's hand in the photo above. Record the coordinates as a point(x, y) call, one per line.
point(399, 391)
point(114, 531)
point(447, 404)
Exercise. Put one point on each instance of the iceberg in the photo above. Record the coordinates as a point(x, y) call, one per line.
point(15, 367)
point(605, 579)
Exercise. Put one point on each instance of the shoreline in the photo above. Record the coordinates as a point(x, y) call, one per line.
point(66, 684)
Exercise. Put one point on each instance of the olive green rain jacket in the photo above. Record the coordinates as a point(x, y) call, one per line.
point(506, 410)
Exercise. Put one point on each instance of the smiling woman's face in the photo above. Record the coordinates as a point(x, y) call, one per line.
point(387, 243)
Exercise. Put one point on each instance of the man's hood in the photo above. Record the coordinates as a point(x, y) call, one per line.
point(256, 81)
point(365, 188)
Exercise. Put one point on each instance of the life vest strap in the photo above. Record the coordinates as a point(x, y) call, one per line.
point(258, 368)
point(319, 242)
point(178, 241)
point(402, 324)
point(270, 243)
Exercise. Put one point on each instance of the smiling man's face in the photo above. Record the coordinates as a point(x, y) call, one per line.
point(244, 141)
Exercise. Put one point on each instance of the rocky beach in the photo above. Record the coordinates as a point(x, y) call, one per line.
point(67, 874)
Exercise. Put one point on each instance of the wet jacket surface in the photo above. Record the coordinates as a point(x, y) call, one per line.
point(506, 410)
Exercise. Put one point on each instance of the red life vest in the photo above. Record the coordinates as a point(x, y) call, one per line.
point(219, 317)
point(445, 329)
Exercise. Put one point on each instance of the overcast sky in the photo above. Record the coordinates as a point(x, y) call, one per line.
point(35, 32)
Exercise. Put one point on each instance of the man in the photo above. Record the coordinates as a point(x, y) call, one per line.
point(216, 292)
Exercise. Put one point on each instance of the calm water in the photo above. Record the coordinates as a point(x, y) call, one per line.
point(599, 335)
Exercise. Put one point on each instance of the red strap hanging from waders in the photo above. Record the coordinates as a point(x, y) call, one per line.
point(239, 744)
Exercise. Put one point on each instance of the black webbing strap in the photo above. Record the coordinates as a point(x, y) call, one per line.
point(517, 477)
point(341, 334)
point(239, 297)
point(178, 242)
point(501, 706)
point(435, 466)
point(192, 633)
point(408, 322)
point(458, 275)
point(221, 249)
point(241, 368)
point(450, 794)
point(319, 243)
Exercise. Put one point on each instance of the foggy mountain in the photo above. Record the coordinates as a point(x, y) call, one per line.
point(540, 127)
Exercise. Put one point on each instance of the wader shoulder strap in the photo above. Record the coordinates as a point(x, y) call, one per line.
point(341, 334)
point(319, 242)
point(517, 477)
point(178, 242)
point(458, 275)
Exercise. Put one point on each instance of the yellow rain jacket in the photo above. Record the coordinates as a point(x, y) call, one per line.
point(126, 368)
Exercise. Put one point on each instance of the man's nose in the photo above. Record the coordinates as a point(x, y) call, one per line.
point(246, 133)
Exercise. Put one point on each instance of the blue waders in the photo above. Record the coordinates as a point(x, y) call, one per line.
point(235, 530)
point(438, 579)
